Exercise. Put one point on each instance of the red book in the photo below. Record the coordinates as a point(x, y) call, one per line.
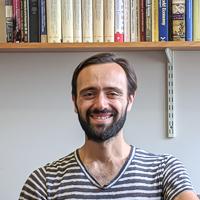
point(16, 21)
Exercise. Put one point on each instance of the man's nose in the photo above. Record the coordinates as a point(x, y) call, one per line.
point(101, 101)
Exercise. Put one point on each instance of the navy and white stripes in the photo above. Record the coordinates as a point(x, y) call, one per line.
point(144, 176)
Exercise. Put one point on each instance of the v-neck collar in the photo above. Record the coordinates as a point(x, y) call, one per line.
point(113, 181)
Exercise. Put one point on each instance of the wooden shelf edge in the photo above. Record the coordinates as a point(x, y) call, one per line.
point(99, 47)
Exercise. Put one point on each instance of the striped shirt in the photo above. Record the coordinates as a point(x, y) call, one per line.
point(144, 176)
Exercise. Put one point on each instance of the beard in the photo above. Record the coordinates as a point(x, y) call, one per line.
point(102, 132)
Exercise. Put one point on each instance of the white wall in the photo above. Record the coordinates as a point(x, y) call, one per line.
point(38, 124)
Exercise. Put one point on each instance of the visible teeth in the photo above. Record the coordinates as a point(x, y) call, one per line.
point(101, 117)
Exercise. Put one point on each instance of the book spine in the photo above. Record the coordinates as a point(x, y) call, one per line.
point(109, 20)
point(43, 21)
point(54, 21)
point(77, 17)
point(22, 19)
point(148, 21)
point(163, 20)
point(67, 20)
point(98, 19)
point(154, 21)
point(25, 21)
point(196, 22)
point(127, 20)
point(134, 19)
point(178, 20)
point(87, 21)
point(119, 21)
point(142, 16)
point(33, 21)
point(16, 21)
point(189, 20)
point(9, 20)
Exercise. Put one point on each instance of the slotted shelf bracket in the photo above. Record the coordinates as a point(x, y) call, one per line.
point(170, 92)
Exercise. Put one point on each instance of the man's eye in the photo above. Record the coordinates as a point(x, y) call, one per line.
point(112, 94)
point(88, 94)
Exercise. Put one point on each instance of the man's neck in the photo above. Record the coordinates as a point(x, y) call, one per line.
point(104, 160)
point(114, 149)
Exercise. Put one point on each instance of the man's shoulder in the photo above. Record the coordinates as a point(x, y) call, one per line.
point(147, 156)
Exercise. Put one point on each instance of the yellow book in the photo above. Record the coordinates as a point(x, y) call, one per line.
point(196, 20)
point(2, 22)
point(155, 29)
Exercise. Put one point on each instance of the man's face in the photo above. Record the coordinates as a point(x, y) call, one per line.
point(102, 100)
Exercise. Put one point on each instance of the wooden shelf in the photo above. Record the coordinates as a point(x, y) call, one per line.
point(98, 47)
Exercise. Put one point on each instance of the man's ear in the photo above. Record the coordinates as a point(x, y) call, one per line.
point(74, 100)
point(130, 102)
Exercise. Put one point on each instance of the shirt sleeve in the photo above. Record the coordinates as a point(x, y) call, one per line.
point(175, 178)
point(35, 186)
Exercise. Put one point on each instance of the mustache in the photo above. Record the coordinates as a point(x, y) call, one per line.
point(101, 111)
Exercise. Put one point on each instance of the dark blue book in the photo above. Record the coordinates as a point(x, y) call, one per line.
point(163, 20)
point(189, 20)
point(43, 20)
point(33, 21)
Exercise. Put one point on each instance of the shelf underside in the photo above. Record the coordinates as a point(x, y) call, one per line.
point(99, 47)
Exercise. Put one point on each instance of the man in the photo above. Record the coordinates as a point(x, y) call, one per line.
point(106, 167)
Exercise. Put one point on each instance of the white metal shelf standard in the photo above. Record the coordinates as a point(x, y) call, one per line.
point(170, 92)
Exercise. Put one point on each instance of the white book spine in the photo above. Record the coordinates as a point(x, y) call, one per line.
point(119, 21)
point(87, 20)
point(77, 18)
point(67, 20)
point(134, 20)
point(54, 21)
point(109, 20)
point(127, 20)
point(98, 21)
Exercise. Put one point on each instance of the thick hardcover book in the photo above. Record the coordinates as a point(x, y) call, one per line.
point(87, 21)
point(142, 15)
point(42, 21)
point(33, 21)
point(178, 20)
point(77, 24)
point(67, 20)
point(163, 20)
point(16, 20)
point(98, 19)
point(54, 21)
point(109, 21)
point(149, 20)
point(189, 20)
point(119, 21)
point(9, 20)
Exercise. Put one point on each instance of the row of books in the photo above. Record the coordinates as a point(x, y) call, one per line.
point(56, 21)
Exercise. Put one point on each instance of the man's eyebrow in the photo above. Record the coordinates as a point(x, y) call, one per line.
point(87, 89)
point(116, 89)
